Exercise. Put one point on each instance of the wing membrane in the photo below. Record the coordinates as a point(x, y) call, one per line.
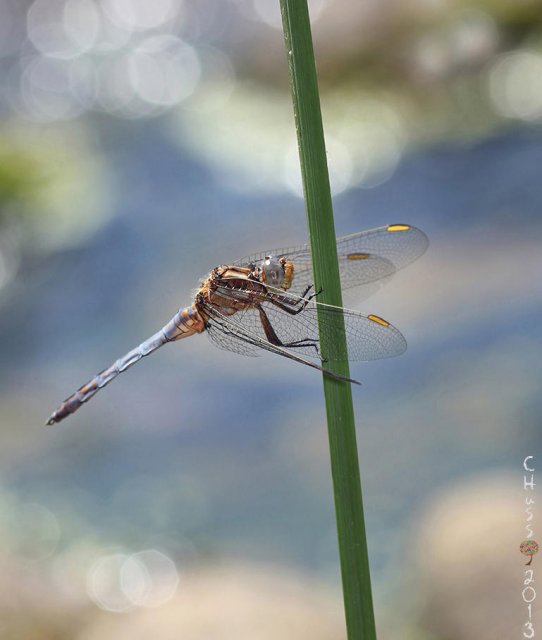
point(364, 257)
point(238, 333)
point(367, 337)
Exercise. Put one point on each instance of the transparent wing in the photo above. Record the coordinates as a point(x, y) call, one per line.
point(365, 257)
point(221, 331)
point(367, 337)
point(237, 333)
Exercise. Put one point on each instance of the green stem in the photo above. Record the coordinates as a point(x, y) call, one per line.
point(340, 414)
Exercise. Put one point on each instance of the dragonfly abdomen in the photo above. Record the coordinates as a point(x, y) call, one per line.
point(183, 324)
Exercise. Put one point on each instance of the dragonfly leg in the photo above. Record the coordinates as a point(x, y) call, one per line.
point(303, 343)
point(273, 338)
point(292, 310)
point(309, 287)
point(296, 306)
point(312, 295)
point(291, 307)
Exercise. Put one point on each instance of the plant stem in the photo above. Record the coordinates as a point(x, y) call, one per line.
point(340, 414)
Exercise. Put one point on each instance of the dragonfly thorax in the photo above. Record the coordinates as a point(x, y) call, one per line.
point(277, 272)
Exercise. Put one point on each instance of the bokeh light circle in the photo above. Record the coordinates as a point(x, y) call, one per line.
point(119, 582)
point(163, 70)
point(62, 29)
point(515, 87)
point(141, 15)
point(37, 534)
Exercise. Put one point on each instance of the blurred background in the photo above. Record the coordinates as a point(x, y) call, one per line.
point(143, 143)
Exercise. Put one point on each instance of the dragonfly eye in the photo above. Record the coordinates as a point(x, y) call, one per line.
point(273, 272)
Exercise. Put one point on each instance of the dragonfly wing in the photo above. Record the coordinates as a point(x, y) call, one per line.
point(364, 257)
point(221, 332)
point(237, 329)
point(370, 256)
point(220, 326)
point(370, 272)
point(368, 337)
point(401, 244)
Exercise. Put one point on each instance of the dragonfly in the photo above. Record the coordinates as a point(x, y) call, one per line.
point(267, 302)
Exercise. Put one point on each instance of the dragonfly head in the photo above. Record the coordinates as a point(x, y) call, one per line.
point(277, 272)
